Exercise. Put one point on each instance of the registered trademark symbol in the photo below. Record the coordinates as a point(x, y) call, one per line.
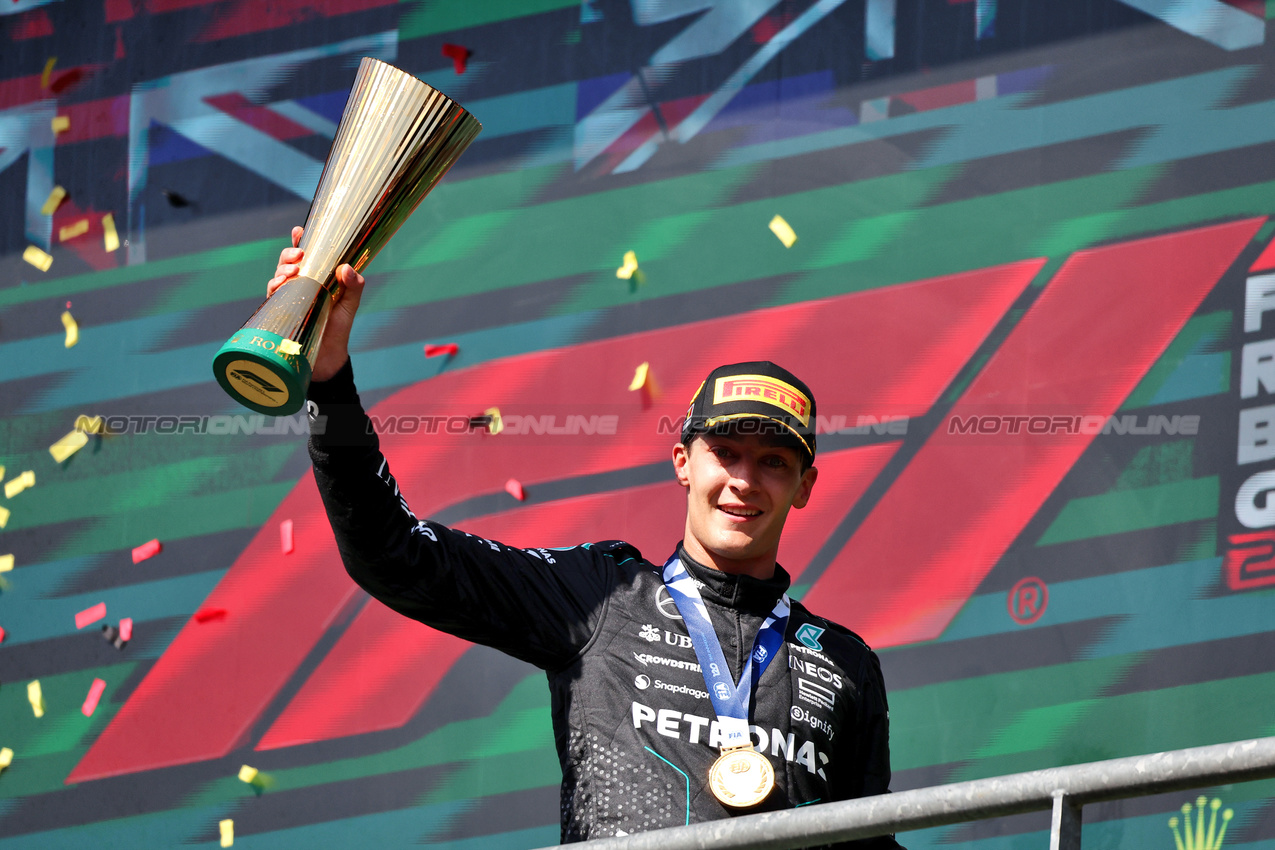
point(1027, 600)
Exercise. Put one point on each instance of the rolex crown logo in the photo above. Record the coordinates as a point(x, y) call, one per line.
point(1197, 837)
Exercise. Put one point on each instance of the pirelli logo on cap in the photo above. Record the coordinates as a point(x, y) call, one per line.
point(763, 388)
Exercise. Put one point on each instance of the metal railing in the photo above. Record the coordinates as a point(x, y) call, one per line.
point(1063, 789)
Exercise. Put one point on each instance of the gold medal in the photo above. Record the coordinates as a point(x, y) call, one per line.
point(741, 777)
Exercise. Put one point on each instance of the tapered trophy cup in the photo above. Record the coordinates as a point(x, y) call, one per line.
point(397, 138)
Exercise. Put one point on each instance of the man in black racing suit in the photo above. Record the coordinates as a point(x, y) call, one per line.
point(635, 729)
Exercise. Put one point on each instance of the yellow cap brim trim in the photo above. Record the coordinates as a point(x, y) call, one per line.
point(717, 420)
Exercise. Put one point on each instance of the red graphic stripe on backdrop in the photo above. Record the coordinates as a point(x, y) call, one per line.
point(33, 24)
point(1256, 8)
point(888, 351)
point(1266, 260)
point(250, 16)
point(1101, 322)
point(939, 97)
point(16, 91)
point(385, 667)
point(259, 117)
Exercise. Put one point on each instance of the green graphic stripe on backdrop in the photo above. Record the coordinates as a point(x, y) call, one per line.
point(46, 748)
point(1146, 831)
point(1197, 338)
point(1118, 726)
point(1134, 510)
point(588, 233)
point(458, 742)
point(193, 516)
point(447, 206)
point(501, 774)
point(429, 17)
point(149, 488)
point(1151, 609)
point(1190, 107)
point(734, 244)
point(240, 271)
point(29, 617)
point(198, 825)
point(951, 721)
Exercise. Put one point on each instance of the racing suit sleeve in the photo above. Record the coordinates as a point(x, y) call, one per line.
point(538, 605)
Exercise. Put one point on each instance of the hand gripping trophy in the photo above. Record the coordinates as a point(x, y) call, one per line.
point(397, 138)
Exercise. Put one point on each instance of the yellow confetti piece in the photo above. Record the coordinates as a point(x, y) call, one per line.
point(61, 124)
point(72, 329)
point(6, 563)
point(36, 698)
point(289, 346)
point(109, 236)
point(783, 230)
point(6, 757)
point(626, 271)
point(227, 832)
point(247, 774)
point(54, 200)
point(15, 486)
point(68, 445)
point(87, 424)
point(494, 423)
point(73, 230)
point(48, 71)
point(4, 517)
point(37, 258)
point(639, 377)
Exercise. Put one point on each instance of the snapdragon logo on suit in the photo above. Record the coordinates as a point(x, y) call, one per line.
point(642, 682)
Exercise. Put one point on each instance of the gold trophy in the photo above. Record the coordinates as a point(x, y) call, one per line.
point(397, 138)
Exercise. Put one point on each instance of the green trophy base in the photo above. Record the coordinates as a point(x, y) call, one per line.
point(255, 373)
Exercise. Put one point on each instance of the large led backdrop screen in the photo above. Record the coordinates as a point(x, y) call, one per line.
point(1030, 287)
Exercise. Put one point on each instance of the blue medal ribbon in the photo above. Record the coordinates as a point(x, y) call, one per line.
point(730, 701)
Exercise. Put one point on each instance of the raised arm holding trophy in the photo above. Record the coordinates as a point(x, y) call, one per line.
point(397, 138)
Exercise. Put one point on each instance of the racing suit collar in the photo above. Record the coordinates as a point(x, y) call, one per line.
point(741, 592)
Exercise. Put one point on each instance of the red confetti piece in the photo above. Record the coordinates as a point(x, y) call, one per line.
point(451, 349)
point(514, 488)
point(126, 629)
point(1, 635)
point(285, 536)
point(95, 694)
point(67, 80)
point(90, 615)
point(205, 615)
point(147, 550)
point(459, 56)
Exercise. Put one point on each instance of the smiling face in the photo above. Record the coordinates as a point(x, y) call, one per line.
point(739, 490)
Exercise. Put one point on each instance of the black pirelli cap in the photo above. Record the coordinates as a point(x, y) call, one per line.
point(772, 399)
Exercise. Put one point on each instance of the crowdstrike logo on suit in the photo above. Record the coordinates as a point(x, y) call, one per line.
point(645, 658)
